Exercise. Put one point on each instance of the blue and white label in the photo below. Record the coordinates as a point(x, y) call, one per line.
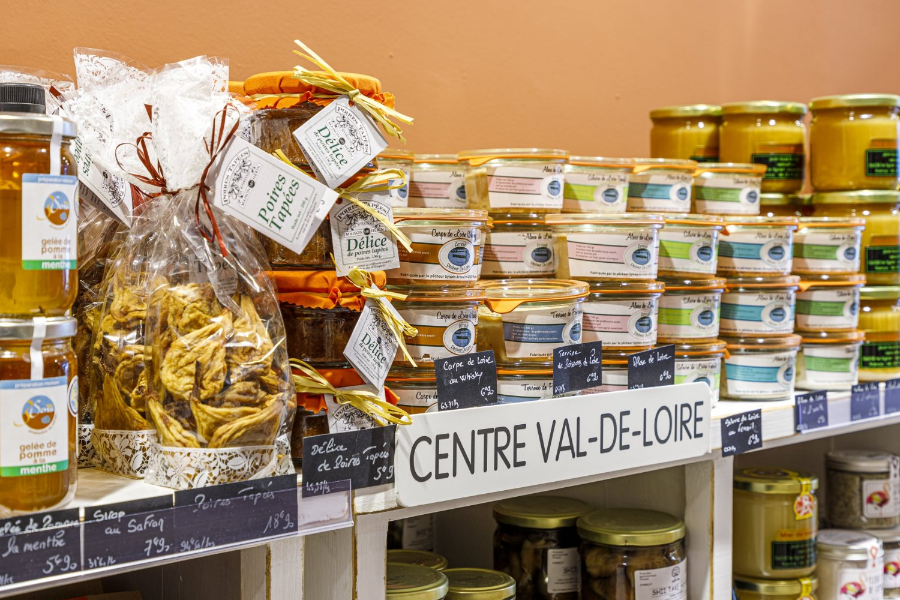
point(652, 191)
point(512, 388)
point(760, 374)
point(700, 369)
point(34, 426)
point(756, 251)
point(49, 222)
point(535, 333)
point(757, 312)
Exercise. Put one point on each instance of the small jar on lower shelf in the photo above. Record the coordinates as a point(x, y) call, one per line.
point(829, 361)
point(863, 489)
point(414, 582)
point(890, 538)
point(423, 558)
point(850, 565)
point(750, 588)
point(479, 584)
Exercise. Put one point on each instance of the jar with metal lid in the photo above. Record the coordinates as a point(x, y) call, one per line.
point(688, 245)
point(879, 317)
point(829, 303)
point(436, 181)
point(757, 246)
point(661, 185)
point(760, 368)
point(622, 315)
point(596, 184)
point(537, 544)
point(524, 320)
point(751, 588)
point(700, 362)
point(853, 142)
point(829, 360)
point(423, 558)
point(446, 247)
point(414, 582)
point(728, 188)
point(775, 520)
point(519, 245)
point(395, 158)
point(689, 309)
point(784, 205)
point(632, 554)
point(415, 534)
point(517, 384)
point(39, 401)
point(766, 133)
point(850, 565)
point(601, 247)
point(759, 306)
point(445, 322)
point(479, 584)
point(526, 180)
point(827, 245)
point(890, 539)
point(880, 238)
point(686, 132)
point(38, 196)
point(416, 388)
point(863, 489)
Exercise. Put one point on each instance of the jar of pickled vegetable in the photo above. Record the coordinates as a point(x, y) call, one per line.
point(661, 185)
point(829, 303)
point(728, 188)
point(414, 582)
point(537, 544)
point(879, 317)
point(632, 554)
point(423, 558)
point(689, 309)
point(700, 362)
point(444, 319)
point(395, 158)
point(750, 588)
point(829, 360)
point(890, 538)
point(515, 179)
point(784, 205)
point(596, 184)
point(688, 245)
point(766, 133)
point(880, 238)
point(775, 523)
point(853, 142)
point(827, 245)
point(519, 245)
point(38, 414)
point(416, 388)
point(38, 197)
point(851, 565)
point(686, 132)
point(622, 315)
point(757, 246)
point(760, 368)
point(437, 181)
point(517, 384)
point(863, 489)
point(479, 584)
point(759, 306)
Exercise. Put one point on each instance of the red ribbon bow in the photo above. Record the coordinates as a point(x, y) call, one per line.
point(220, 141)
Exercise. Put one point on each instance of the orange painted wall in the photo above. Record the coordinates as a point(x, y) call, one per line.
point(576, 74)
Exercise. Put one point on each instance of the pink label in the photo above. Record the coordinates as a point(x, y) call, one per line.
point(596, 253)
point(515, 185)
point(424, 189)
point(504, 253)
point(605, 323)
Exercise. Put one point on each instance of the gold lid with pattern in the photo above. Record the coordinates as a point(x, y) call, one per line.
point(423, 558)
point(479, 584)
point(630, 527)
point(414, 582)
point(540, 512)
point(771, 480)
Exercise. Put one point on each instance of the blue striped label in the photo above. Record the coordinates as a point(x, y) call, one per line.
point(739, 250)
point(748, 373)
point(742, 312)
point(649, 190)
point(533, 334)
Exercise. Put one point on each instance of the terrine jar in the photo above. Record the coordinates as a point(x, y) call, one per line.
point(760, 368)
point(445, 322)
point(879, 317)
point(687, 132)
point(526, 180)
point(752, 588)
point(596, 184)
point(688, 245)
point(521, 384)
point(728, 188)
point(395, 158)
point(519, 245)
point(757, 246)
point(853, 142)
point(863, 489)
point(758, 306)
point(850, 565)
point(827, 245)
point(700, 362)
point(829, 303)
point(415, 388)
point(437, 181)
point(829, 360)
point(661, 185)
point(622, 315)
point(689, 309)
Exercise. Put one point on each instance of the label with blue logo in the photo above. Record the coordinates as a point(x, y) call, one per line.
point(34, 426)
point(437, 187)
point(49, 222)
point(751, 312)
point(605, 192)
point(537, 332)
point(756, 250)
point(525, 187)
point(509, 253)
point(663, 192)
point(760, 375)
point(442, 332)
point(688, 249)
point(727, 194)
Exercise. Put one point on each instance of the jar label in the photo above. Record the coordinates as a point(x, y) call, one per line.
point(418, 533)
point(626, 255)
point(756, 251)
point(511, 389)
point(442, 333)
point(759, 375)
point(882, 159)
point(704, 370)
point(833, 308)
point(727, 195)
point(414, 396)
point(662, 192)
point(826, 252)
point(437, 189)
point(536, 333)
point(34, 426)
point(683, 250)
point(794, 549)
point(49, 222)
point(508, 253)
point(859, 584)
point(563, 568)
point(359, 238)
point(783, 161)
point(882, 259)
point(880, 355)
point(892, 568)
point(820, 366)
point(620, 322)
point(525, 187)
point(744, 312)
point(668, 583)
point(400, 196)
point(881, 497)
point(596, 192)
point(440, 254)
point(689, 316)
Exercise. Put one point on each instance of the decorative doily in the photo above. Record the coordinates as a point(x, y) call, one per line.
point(188, 468)
point(122, 452)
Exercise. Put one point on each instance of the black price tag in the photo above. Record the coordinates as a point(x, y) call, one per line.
point(39, 545)
point(652, 368)
point(126, 532)
point(864, 401)
point(235, 512)
point(741, 433)
point(811, 411)
point(465, 381)
point(577, 367)
point(891, 396)
point(364, 457)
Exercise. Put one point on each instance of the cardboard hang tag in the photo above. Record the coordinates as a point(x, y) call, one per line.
point(345, 417)
point(373, 345)
point(100, 188)
point(359, 239)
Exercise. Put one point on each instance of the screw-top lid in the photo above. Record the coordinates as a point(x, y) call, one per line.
point(772, 480)
point(690, 110)
point(794, 588)
point(22, 98)
point(861, 461)
point(842, 544)
point(857, 197)
point(415, 582)
point(423, 558)
point(630, 527)
point(479, 584)
point(850, 100)
point(764, 107)
point(888, 536)
point(540, 512)
point(23, 329)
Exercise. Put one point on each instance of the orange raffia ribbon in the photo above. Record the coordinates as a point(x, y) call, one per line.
point(218, 143)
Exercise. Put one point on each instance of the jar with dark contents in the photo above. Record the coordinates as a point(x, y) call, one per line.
point(863, 489)
point(536, 543)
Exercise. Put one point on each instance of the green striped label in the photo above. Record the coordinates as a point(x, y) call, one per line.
point(27, 470)
point(670, 249)
point(717, 194)
point(830, 365)
point(674, 316)
point(49, 265)
point(820, 309)
point(579, 191)
point(816, 251)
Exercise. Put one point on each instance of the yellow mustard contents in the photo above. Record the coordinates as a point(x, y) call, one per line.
point(853, 142)
point(767, 133)
point(879, 317)
point(784, 205)
point(686, 132)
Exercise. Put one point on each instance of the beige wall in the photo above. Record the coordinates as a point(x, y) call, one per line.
point(580, 75)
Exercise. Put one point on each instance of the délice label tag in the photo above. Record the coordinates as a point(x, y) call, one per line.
point(652, 368)
point(372, 346)
point(811, 411)
point(339, 141)
point(741, 433)
point(100, 188)
point(466, 381)
point(577, 367)
point(365, 457)
point(865, 401)
point(361, 240)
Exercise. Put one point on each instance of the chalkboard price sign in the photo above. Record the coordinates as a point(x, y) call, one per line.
point(364, 457)
point(577, 367)
point(891, 396)
point(811, 411)
point(865, 401)
point(652, 368)
point(466, 381)
point(128, 532)
point(741, 433)
point(40, 545)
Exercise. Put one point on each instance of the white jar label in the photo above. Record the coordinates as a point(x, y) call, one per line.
point(660, 192)
point(34, 426)
point(891, 568)
point(727, 195)
point(704, 370)
point(668, 583)
point(536, 333)
point(419, 397)
point(760, 374)
point(756, 251)
point(400, 196)
point(881, 498)
point(437, 189)
point(859, 584)
point(828, 308)
point(517, 389)
point(821, 366)
point(440, 254)
point(49, 222)
point(563, 567)
point(596, 192)
point(525, 187)
point(361, 240)
point(688, 250)
point(508, 253)
point(821, 252)
point(612, 380)
point(442, 333)
point(610, 255)
point(689, 316)
point(757, 312)
point(418, 533)
point(620, 322)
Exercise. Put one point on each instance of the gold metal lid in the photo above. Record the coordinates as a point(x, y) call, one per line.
point(479, 584)
point(540, 512)
point(779, 342)
point(771, 199)
point(857, 197)
point(763, 107)
point(772, 480)
point(423, 558)
point(689, 110)
point(630, 527)
point(35, 124)
point(881, 292)
point(794, 588)
point(415, 582)
point(848, 100)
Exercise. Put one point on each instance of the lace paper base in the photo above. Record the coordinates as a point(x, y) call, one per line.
point(125, 453)
point(87, 456)
point(285, 463)
point(188, 468)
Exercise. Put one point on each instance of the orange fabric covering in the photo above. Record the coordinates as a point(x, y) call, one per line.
point(320, 289)
point(338, 378)
point(282, 82)
point(236, 87)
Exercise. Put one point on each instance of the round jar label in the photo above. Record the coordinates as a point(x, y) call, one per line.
point(689, 316)
point(757, 312)
point(595, 192)
point(820, 252)
point(828, 309)
point(756, 251)
point(519, 253)
point(612, 254)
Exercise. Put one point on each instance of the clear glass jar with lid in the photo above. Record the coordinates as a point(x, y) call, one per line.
point(688, 132)
point(689, 309)
point(829, 360)
point(515, 179)
point(416, 388)
point(760, 368)
point(414, 582)
point(850, 565)
point(827, 245)
point(728, 188)
point(632, 554)
point(757, 246)
point(537, 544)
point(519, 245)
point(784, 205)
point(596, 184)
point(688, 245)
point(521, 384)
point(397, 158)
point(700, 362)
point(890, 538)
point(445, 322)
point(479, 584)
point(622, 315)
point(661, 185)
point(863, 489)
point(751, 588)
point(437, 181)
point(775, 520)
point(423, 558)
point(829, 303)
point(879, 317)
point(759, 306)
point(853, 142)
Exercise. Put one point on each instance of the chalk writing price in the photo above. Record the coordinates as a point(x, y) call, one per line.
point(811, 411)
point(577, 367)
point(741, 433)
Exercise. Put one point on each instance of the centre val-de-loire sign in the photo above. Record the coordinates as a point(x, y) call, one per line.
point(462, 453)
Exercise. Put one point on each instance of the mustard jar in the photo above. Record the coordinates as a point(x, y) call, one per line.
point(687, 132)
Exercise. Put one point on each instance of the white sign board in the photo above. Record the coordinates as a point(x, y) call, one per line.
point(462, 453)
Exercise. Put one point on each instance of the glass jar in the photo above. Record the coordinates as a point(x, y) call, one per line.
point(524, 320)
point(415, 534)
point(537, 544)
point(851, 565)
point(415, 388)
point(827, 245)
point(38, 252)
point(519, 245)
point(306, 424)
point(728, 188)
point(700, 362)
point(395, 158)
point(603, 247)
point(760, 368)
point(759, 306)
point(528, 180)
point(775, 518)
point(614, 376)
point(766, 133)
point(750, 588)
point(829, 360)
point(437, 181)
point(757, 246)
point(38, 459)
point(479, 584)
point(423, 558)
point(686, 132)
point(784, 205)
point(879, 317)
point(446, 247)
point(272, 129)
point(596, 184)
point(829, 303)
point(622, 315)
point(523, 385)
point(414, 582)
point(687, 245)
point(890, 539)
point(689, 310)
point(445, 321)
point(316, 255)
point(863, 489)
point(853, 142)
point(632, 554)
point(880, 238)
point(661, 185)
